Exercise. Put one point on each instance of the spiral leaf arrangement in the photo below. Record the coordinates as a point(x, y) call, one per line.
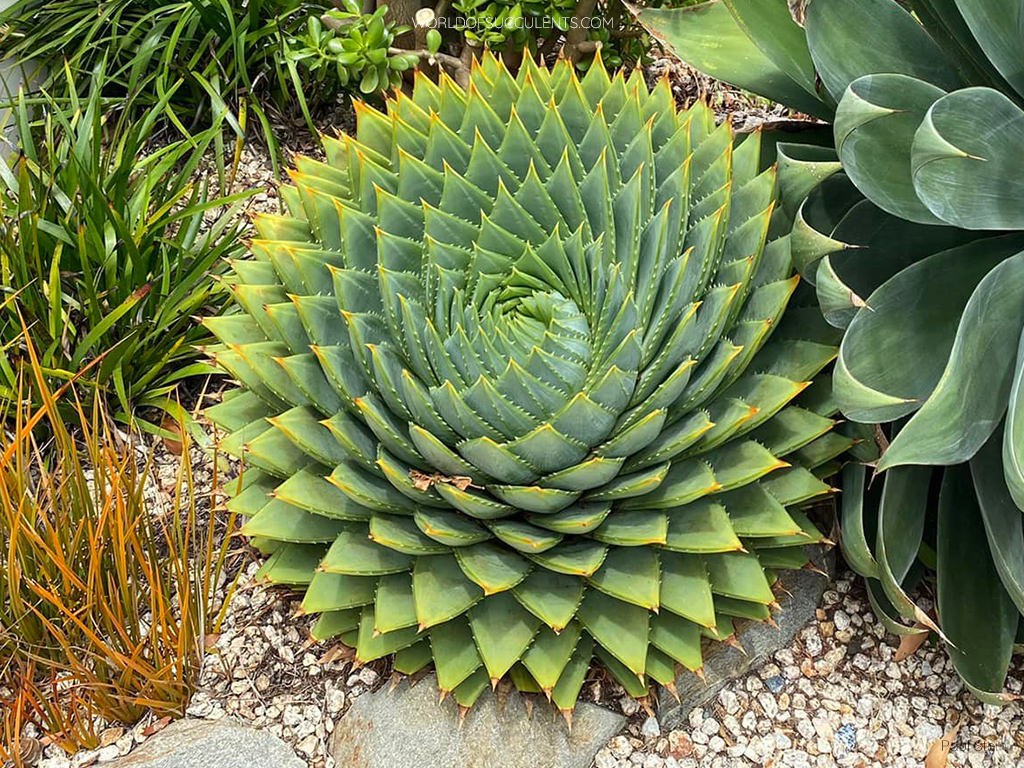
point(517, 390)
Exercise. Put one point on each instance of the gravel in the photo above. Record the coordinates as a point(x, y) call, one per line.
point(837, 697)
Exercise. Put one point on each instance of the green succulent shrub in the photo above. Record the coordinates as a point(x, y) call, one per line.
point(109, 247)
point(520, 387)
point(908, 220)
point(356, 51)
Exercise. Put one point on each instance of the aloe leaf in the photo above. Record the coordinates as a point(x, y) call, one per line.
point(567, 689)
point(620, 628)
point(550, 652)
point(631, 574)
point(503, 630)
point(455, 655)
point(551, 597)
point(441, 590)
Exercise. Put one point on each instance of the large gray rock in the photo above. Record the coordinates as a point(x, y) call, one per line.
point(723, 663)
point(407, 728)
point(211, 744)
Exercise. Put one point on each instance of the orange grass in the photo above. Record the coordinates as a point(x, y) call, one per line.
point(107, 582)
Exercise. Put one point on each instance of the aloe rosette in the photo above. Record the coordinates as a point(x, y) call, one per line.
point(908, 218)
point(520, 387)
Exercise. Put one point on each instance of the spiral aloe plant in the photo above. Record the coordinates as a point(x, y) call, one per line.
point(517, 386)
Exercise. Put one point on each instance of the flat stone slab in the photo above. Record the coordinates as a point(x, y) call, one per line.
point(408, 728)
point(723, 663)
point(211, 744)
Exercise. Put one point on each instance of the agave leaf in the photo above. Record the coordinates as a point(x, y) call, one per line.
point(867, 386)
point(1004, 524)
point(975, 610)
point(955, 152)
point(969, 399)
point(1013, 433)
point(847, 41)
point(771, 27)
point(901, 519)
point(881, 246)
point(854, 538)
point(875, 126)
point(994, 28)
point(711, 40)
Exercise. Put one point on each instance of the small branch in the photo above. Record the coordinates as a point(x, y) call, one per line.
point(460, 72)
point(577, 33)
point(466, 57)
point(336, 24)
point(441, 8)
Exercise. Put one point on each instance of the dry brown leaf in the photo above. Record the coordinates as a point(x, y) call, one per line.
point(422, 481)
point(156, 726)
point(210, 641)
point(909, 644)
point(172, 444)
point(336, 653)
point(938, 752)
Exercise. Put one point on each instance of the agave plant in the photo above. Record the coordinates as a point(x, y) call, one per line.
point(517, 386)
point(910, 230)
